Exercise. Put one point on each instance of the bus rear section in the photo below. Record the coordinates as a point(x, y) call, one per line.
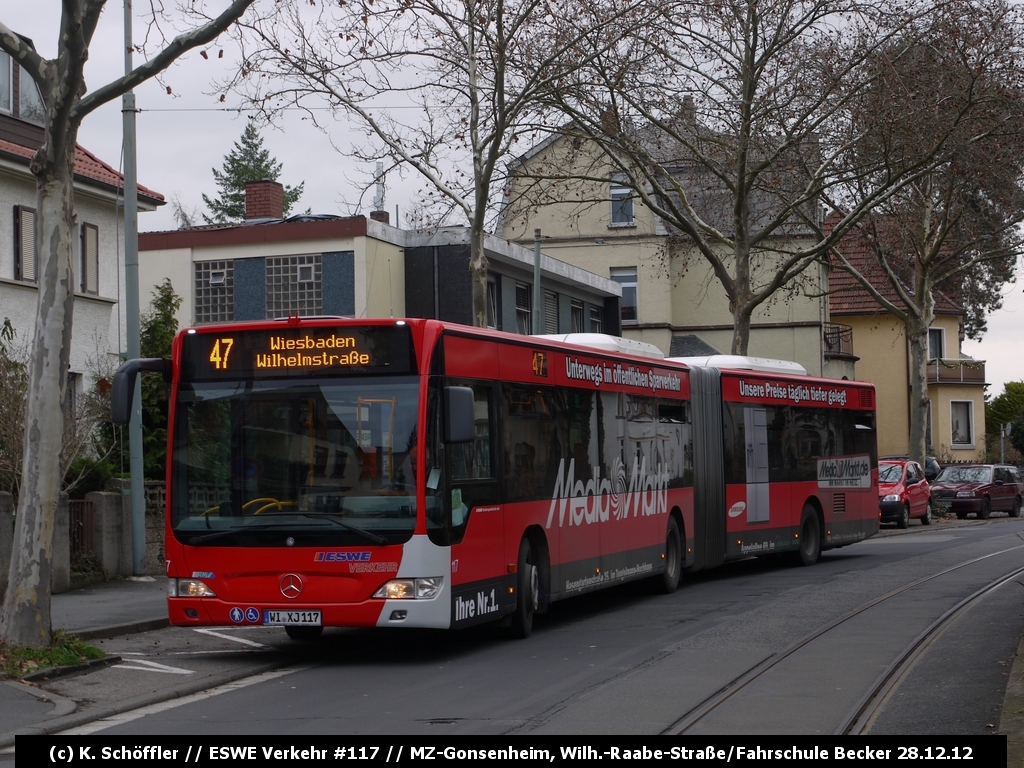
point(800, 464)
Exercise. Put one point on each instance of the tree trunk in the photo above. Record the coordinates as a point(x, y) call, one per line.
point(478, 275)
point(917, 335)
point(25, 619)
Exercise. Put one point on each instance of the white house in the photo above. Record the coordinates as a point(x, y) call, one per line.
point(99, 326)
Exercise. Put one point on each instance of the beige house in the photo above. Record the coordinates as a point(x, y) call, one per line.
point(956, 385)
point(670, 296)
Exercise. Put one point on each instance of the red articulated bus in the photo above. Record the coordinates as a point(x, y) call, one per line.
point(329, 472)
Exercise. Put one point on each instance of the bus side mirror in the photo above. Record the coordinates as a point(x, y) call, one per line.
point(459, 423)
point(124, 385)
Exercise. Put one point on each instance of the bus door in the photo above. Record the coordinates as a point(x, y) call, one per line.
point(755, 422)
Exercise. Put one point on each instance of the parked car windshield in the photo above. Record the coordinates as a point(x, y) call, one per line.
point(890, 473)
point(965, 475)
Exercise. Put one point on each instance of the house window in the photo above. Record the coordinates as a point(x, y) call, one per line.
point(622, 205)
point(24, 244)
point(30, 103)
point(492, 304)
point(596, 321)
point(524, 312)
point(961, 423)
point(550, 312)
point(936, 343)
point(294, 286)
point(576, 312)
point(626, 277)
point(215, 291)
point(90, 259)
point(6, 84)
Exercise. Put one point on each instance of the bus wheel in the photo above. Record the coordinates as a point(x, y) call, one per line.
point(669, 581)
point(304, 634)
point(528, 584)
point(810, 537)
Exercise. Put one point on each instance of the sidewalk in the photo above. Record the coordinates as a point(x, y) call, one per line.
point(103, 610)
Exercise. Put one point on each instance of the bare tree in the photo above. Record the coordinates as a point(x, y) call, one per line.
point(444, 88)
point(956, 228)
point(25, 618)
point(730, 121)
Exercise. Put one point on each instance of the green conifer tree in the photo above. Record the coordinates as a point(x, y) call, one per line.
point(248, 161)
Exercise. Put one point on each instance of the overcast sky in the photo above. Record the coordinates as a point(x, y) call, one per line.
point(181, 137)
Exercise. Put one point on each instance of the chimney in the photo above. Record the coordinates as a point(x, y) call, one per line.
point(264, 200)
point(382, 216)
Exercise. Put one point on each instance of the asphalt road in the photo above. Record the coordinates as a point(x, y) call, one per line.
point(621, 661)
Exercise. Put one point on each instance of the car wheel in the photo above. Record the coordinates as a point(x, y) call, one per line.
point(927, 519)
point(1015, 512)
point(986, 508)
point(904, 520)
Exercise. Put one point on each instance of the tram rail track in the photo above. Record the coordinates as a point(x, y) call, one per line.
point(859, 719)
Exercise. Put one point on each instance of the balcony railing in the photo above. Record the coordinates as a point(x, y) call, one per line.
point(838, 339)
point(943, 371)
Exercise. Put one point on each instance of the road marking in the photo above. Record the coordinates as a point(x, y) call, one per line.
point(153, 709)
point(223, 636)
point(152, 666)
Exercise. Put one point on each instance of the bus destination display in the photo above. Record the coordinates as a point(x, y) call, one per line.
point(290, 352)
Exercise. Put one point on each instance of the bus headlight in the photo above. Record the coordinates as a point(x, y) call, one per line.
point(188, 588)
point(410, 589)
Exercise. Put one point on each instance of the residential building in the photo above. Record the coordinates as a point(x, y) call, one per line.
point(956, 384)
point(670, 295)
point(269, 267)
point(98, 325)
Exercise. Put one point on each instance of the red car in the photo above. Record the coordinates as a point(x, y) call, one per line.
point(980, 488)
point(903, 493)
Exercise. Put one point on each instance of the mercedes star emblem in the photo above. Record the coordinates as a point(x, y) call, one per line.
point(291, 585)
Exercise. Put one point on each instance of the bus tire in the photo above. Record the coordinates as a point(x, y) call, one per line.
point(668, 582)
point(528, 591)
point(810, 537)
point(304, 634)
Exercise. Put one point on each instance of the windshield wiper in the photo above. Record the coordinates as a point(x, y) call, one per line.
point(207, 537)
point(333, 517)
point(228, 531)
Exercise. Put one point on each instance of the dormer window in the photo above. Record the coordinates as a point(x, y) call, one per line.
point(19, 95)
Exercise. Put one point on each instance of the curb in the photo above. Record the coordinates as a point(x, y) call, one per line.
point(126, 628)
point(75, 719)
point(52, 673)
point(1011, 720)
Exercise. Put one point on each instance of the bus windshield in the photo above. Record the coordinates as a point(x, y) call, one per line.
point(295, 463)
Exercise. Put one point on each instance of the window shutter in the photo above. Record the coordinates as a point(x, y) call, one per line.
point(90, 259)
point(550, 312)
point(25, 243)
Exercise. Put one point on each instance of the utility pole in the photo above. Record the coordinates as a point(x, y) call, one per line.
point(131, 305)
point(1004, 430)
point(538, 318)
